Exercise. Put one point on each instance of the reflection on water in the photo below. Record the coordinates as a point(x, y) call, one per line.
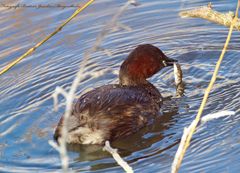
point(27, 118)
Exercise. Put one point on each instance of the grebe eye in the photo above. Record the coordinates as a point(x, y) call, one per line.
point(164, 63)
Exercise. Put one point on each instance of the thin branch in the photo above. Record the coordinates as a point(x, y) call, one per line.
point(117, 157)
point(58, 91)
point(54, 145)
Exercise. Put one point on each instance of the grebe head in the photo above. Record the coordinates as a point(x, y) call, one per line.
point(142, 63)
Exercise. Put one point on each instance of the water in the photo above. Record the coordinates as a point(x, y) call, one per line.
point(27, 118)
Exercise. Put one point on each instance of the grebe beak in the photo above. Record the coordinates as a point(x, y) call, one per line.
point(169, 61)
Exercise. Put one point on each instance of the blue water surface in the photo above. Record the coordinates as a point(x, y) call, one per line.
point(27, 118)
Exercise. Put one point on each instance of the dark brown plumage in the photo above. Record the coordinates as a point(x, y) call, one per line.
point(114, 111)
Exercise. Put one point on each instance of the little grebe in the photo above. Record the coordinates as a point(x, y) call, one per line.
point(117, 110)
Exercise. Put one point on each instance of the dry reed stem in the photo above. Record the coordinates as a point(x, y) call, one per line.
point(117, 157)
point(181, 151)
point(206, 12)
point(31, 50)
